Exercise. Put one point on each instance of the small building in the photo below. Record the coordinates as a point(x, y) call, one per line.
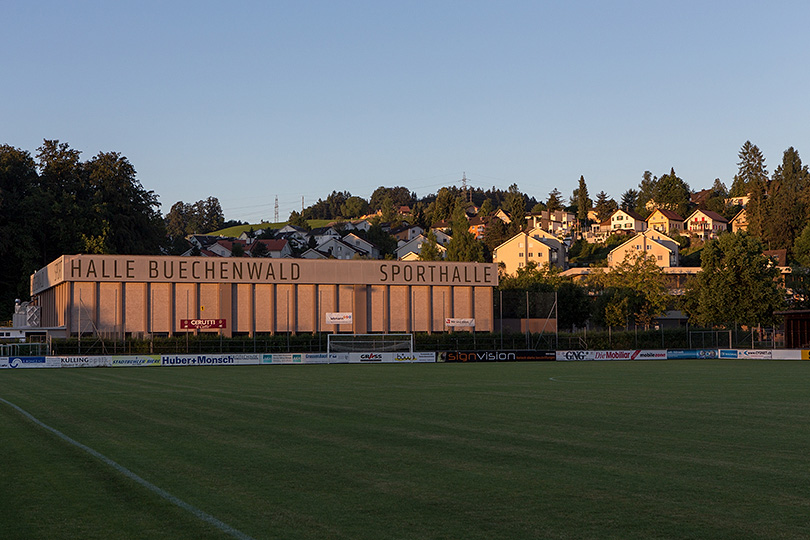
point(649, 243)
point(627, 220)
point(536, 246)
point(665, 221)
point(706, 224)
point(739, 222)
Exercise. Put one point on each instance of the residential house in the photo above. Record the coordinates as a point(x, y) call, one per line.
point(338, 249)
point(650, 242)
point(706, 224)
point(559, 222)
point(665, 221)
point(478, 225)
point(503, 216)
point(535, 246)
point(406, 233)
point(627, 221)
point(362, 245)
point(274, 249)
point(415, 246)
point(740, 221)
point(321, 235)
point(298, 237)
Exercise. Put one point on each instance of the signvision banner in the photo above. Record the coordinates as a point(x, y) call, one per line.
point(496, 356)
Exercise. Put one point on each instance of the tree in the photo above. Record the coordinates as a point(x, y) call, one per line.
point(354, 207)
point(629, 199)
point(124, 214)
point(672, 193)
point(751, 169)
point(486, 208)
point(400, 196)
point(716, 202)
point(554, 202)
point(605, 206)
point(430, 248)
point(646, 190)
point(635, 289)
point(737, 284)
point(788, 201)
point(801, 247)
point(463, 246)
point(442, 208)
point(297, 220)
point(583, 202)
point(515, 206)
point(18, 198)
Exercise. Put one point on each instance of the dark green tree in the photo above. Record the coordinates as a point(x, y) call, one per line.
point(430, 248)
point(604, 207)
point(672, 193)
point(646, 190)
point(18, 197)
point(463, 246)
point(515, 206)
point(629, 199)
point(751, 169)
point(125, 216)
point(737, 284)
point(788, 201)
point(554, 202)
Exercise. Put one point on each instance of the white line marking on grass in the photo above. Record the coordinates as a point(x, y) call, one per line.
point(557, 379)
point(208, 518)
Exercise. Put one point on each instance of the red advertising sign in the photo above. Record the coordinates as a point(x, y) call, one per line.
point(201, 324)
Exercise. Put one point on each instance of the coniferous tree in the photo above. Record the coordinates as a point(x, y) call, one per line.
point(554, 202)
point(604, 207)
point(788, 205)
point(751, 169)
point(463, 246)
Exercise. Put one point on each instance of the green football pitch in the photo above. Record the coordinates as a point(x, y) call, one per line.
point(674, 449)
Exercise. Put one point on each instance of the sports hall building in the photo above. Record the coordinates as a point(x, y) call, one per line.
point(143, 295)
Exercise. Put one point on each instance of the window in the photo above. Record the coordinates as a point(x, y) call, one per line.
point(660, 257)
point(531, 254)
point(520, 254)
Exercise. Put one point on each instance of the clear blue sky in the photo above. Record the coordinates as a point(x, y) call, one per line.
point(246, 101)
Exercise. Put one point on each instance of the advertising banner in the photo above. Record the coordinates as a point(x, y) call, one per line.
point(202, 324)
point(414, 357)
point(3, 363)
point(282, 358)
point(339, 318)
point(496, 356)
point(755, 354)
point(15, 362)
point(84, 361)
point(693, 354)
point(726, 353)
point(453, 321)
point(143, 360)
point(209, 359)
point(652, 354)
point(370, 357)
point(326, 358)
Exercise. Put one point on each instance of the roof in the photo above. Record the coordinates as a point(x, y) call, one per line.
point(630, 213)
point(714, 216)
point(669, 214)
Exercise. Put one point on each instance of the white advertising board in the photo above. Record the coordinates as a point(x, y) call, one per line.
point(339, 318)
point(84, 361)
point(27, 362)
point(210, 359)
